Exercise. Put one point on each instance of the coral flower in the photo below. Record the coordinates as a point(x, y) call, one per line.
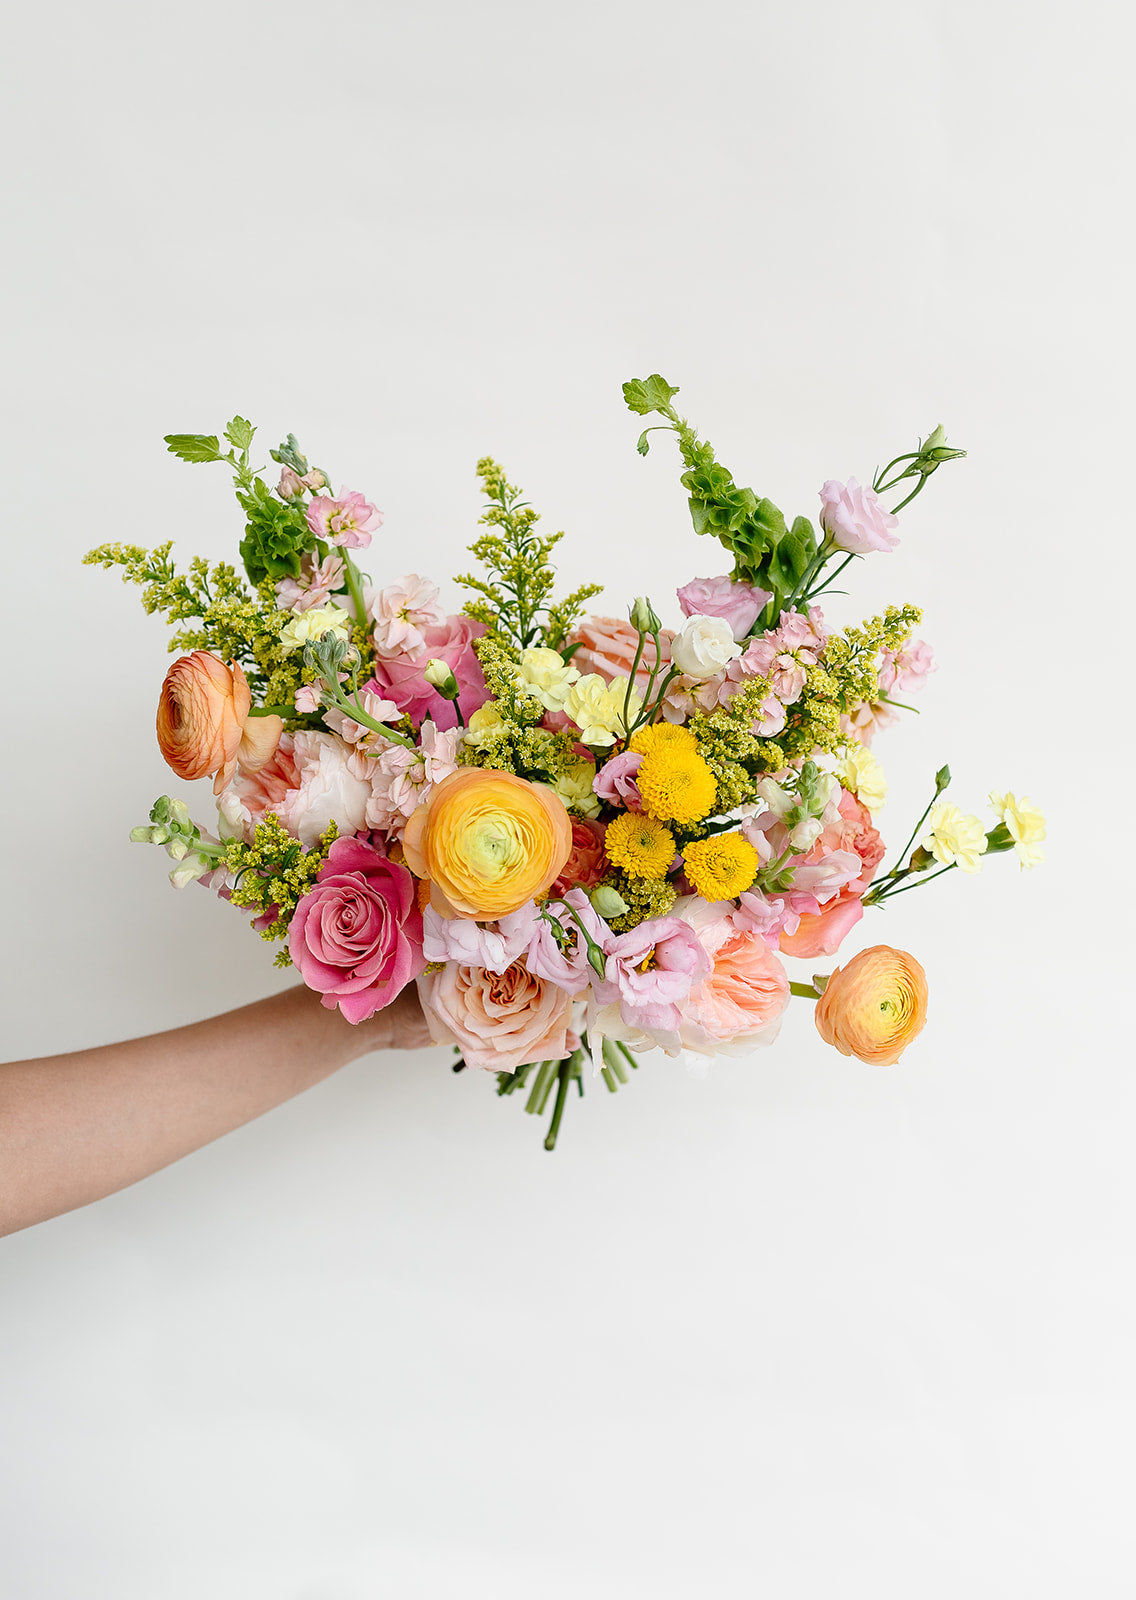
point(203, 721)
point(488, 841)
point(873, 1007)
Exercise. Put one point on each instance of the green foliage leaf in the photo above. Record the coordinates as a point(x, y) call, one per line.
point(193, 446)
point(239, 433)
point(644, 395)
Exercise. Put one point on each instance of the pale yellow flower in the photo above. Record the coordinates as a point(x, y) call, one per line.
point(546, 676)
point(1024, 823)
point(859, 771)
point(956, 839)
point(304, 626)
point(485, 720)
point(574, 786)
point(596, 707)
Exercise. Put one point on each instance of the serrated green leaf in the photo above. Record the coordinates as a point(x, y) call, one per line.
point(645, 395)
point(239, 433)
point(193, 446)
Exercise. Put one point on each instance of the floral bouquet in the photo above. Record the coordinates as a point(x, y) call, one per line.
point(583, 837)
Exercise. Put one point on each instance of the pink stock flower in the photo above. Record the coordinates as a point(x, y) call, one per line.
point(401, 678)
point(356, 936)
point(494, 946)
point(906, 670)
point(740, 1000)
point(352, 732)
point(615, 782)
point(868, 719)
point(855, 518)
point(499, 1021)
point(650, 971)
point(566, 964)
point(768, 916)
point(307, 699)
point(349, 520)
point(315, 585)
point(607, 646)
point(401, 611)
point(821, 931)
point(402, 779)
point(740, 604)
point(290, 485)
point(586, 863)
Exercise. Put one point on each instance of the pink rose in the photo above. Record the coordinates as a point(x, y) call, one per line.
point(586, 863)
point(740, 1001)
point(401, 678)
point(499, 1020)
point(607, 646)
point(348, 520)
point(856, 519)
point(821, 933)
point(356, 936)
point(739, 603)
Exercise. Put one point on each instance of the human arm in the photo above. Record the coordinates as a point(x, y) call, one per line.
point(77, 1127)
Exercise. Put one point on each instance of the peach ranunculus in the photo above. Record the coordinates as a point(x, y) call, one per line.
point(607, 646)
point(741, 1001)
point(203, 721)
point(498, 1020)
point(873, 1007)
point(488, 841)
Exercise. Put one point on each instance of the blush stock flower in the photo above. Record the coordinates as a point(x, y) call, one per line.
point(347, 520)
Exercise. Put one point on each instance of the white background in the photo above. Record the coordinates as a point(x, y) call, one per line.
point(803, 1328)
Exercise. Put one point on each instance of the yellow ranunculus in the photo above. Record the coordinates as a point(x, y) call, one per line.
point(487, 841)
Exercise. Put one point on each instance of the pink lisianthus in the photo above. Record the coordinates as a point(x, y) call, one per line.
point(402, 779)
point(821, 933)
point(586, 863)
point(615, 782)
point(356, 936)
point(401, 678)
point(607, 646)
point(499, 1021)
point(565, 962)
point(348, 520)
point(315, 585)
point(400, 612)
point(856, 519)
point(906, 670)
point(740, 604)
point(492, 945)
point(650, 971)
point(740, 1000)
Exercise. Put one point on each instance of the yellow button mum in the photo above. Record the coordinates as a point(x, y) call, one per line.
point(642, 846)
point(662, 735)
point(676, 784)
point(722, 867)
point(488, 841)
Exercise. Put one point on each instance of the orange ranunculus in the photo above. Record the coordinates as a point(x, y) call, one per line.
point(488, 841)
point(873, 1007)
point(203, 721)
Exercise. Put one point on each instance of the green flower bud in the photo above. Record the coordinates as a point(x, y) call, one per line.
point(177, 849)
point(142, 835)
point(642, 615)
point(441, 676)
point(608, 902)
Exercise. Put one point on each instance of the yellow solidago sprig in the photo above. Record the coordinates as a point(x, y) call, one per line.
point(721, 867)
point(504, 734)
point(274, 872)
point(643, 898)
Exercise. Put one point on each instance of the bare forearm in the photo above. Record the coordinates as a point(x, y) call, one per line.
point(76, 1127)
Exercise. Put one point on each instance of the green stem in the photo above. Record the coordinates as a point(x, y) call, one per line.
point(565, 1078)
point(890, 894)
point(354, 589)
point(805, 598)
point(805, 990)
point(355, 711)
point(272, 711)
point(631, 685)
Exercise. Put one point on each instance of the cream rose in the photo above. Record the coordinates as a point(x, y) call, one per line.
point(704, 646)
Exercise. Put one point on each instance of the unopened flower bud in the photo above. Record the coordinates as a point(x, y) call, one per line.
point(142, 835)
point(935, 450)
point(608, 902)
point(314, 480)
point(643, 616)
point(596, 960)
point(177, 849)
point(290, 484)
point(179, 813)
point(192, 868)
point(159, 835)
point(440, 675)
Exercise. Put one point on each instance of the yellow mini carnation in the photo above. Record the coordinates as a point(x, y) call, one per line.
point(574, 786)
point(308, 625)
point(722, 867)
point(859, 771)
point(1024, 823)
point(955, 839)
point(546, 676)
point(485, 720)
point(676, 784)
point(642, 846)
point(597, 707)
point(661, 735)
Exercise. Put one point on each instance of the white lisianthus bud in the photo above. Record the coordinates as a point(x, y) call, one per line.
point(704, 646)
point(608, 902)
point(440, 675)
point(643, 617)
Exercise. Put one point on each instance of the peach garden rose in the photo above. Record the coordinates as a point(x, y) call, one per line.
point(498, 1020)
